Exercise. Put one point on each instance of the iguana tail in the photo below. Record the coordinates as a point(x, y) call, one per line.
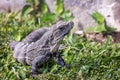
point(13, 44)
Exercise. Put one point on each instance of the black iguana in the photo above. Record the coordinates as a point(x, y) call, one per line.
point(41, 45)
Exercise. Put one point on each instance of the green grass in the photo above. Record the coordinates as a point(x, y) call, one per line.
point(88, 60)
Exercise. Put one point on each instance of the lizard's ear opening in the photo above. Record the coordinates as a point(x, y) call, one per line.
point(13, 44)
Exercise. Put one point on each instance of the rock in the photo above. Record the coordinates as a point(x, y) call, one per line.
point(82, 10)
point(51, 5)
point(110, 10)
point(16, 5)
point(12, 5)
point(4, 6)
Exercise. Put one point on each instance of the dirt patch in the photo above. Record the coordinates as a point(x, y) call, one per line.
point(102, 37)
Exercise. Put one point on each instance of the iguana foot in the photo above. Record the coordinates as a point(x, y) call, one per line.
point(67, 66)
point(34, 73)
point(60, 60)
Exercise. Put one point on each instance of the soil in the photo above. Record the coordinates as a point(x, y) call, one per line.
point(102, 37)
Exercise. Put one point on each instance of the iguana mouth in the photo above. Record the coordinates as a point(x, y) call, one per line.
point(60, 38)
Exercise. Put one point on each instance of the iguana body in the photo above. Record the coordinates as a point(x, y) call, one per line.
point(35, 35)
point(39, 49)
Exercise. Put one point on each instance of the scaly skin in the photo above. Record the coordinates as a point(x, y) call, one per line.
point(36, 52)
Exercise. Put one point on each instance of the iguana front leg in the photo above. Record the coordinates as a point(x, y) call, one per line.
point(60, 60)
point(37, 62)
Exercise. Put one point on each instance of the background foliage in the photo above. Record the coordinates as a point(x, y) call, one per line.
point(88, 60)
point(101, 24)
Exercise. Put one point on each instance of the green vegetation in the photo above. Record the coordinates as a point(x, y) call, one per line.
point(88, 60)
point(101, 24)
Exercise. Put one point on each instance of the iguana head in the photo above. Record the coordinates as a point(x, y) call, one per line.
point(59, 31)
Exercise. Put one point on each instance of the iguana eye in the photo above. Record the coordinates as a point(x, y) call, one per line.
point(62, 28)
